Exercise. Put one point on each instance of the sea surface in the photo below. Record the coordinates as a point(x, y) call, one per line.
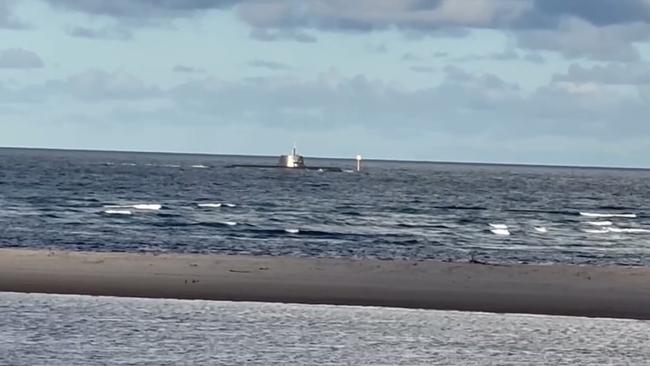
point(143, 202)
point(80, 330)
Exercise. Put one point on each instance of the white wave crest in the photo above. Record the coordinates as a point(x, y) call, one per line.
point(628, 230)
point(229, 223)
point(292, 231)
point(593, 214)
point(600, 223)
point(199, 166)
point(231, 205)
point(209, 205)
point(541, 229)
point(118, 212)
point(499, 226)
point(501, 232)
point(148, 206)
point(598, 231)
point(139, 206)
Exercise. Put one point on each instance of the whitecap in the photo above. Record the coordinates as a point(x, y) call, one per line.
point(148, 206)
point(593, 214)
point(499, 226)
point(139, 206)
point(231, 205)
point(199, 166)
point(209, 205)
point(628, 230)
point(501, 232)
point(600, 223)
point(599, 231)
point(118, 212)
point(541, 229)
point(348, 171)
point(292, 231)
point(229, 223)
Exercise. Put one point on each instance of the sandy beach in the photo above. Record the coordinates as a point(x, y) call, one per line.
point(620, 292)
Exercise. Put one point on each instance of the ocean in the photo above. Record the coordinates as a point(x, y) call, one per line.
point(147, 202)
point(81, 330)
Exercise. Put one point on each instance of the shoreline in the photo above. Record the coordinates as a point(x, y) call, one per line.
point(591, 291)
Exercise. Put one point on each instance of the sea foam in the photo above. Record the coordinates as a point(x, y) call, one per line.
point(593, 214)
point(209, 205)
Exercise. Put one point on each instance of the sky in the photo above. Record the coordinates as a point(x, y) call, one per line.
point(563, 82)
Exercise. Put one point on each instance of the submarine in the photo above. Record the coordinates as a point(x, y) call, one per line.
point(293, 161)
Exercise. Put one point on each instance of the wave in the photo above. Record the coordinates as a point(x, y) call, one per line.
point(478, 208)
point(150, 207)
point(600, 223)
point(209, 205)
point(139, 206)
point(593, 214)
point(499, 226)
point(541, 229)
point(597, 231)
point(292, 231)
point(229, 223)
point(618, 230)
point(199, 166)
point(554, 212)
point(500, 232)
point(628, 230)
point(118, 212)
point(231, 205)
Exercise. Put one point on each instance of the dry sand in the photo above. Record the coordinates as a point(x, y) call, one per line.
point(555, 289)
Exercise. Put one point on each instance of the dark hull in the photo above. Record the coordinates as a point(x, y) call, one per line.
point(323, 168)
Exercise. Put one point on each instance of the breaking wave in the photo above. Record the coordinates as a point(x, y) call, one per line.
point(593, 214)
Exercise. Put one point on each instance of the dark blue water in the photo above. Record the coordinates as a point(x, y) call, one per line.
point(92, 201)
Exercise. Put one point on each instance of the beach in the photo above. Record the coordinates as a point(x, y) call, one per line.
point(593, 291)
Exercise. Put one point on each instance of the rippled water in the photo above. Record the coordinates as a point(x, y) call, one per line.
point(79, 330)
point(190, 203)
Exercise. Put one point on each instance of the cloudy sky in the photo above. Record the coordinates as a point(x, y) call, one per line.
point(527, 81)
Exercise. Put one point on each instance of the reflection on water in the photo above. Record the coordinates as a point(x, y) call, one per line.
point(79, 330)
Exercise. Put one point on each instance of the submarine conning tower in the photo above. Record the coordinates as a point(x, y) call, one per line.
point(292, 160)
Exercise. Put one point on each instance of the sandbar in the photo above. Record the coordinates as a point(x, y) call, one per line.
point(592, 291)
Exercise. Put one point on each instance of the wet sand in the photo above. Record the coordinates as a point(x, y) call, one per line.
point(618, 292)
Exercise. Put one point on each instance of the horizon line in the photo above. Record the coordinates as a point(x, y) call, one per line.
point(531, 165)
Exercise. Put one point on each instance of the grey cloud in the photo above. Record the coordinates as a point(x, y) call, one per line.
point(18, 58)
point(366, 15)
point(440, 54)
point(377, 48)
point(267, 35)
point(99, 85)
point(411, 57)
point(142, 8)
point(422, 69)
point(534, 58)
point(113, 33)
point(597, 12)
point(595, 29)
point(489, 114)
point(611, 74)
point(7, 18)
point(505, 55)
point(187, 69)
point(272, 65)
point(576, 38)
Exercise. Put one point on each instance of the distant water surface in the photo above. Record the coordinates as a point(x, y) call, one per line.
point(103, 201)
point(79, 330)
